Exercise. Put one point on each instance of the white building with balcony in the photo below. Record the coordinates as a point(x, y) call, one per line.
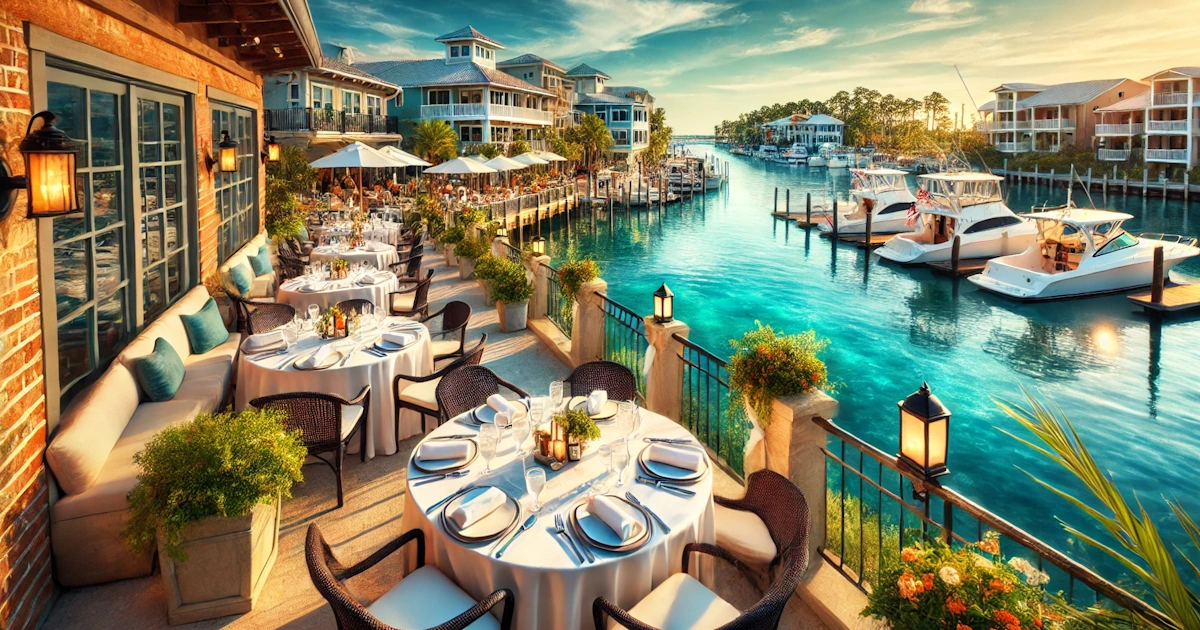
point(624, 109)
point(465, 89)
point(1120, 129)
point(1172, 118)
point(1034, 117)
point(552, 78)
point(811, 130)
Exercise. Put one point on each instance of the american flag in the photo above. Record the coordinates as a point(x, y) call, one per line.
point(860, 177)
point(911, 218)
point(924, 198)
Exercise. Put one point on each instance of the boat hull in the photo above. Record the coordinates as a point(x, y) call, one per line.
point(817, 161)
point(908, 252)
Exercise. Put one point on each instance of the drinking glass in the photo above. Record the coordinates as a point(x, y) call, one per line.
point(521, 430)
point(314, 312)
point(537, 410)
point(502, 420)
point(625, 418)
point(606, 451)
point(290, 335)
point(489, 436)
point(556, 395)
point(620, 459)
point(535, 481)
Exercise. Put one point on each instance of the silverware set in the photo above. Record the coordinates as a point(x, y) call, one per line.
point(432, 478)
point(521, 530)
point(662, 485)
point(561, 529)
point(667, 440)
point(666, 529)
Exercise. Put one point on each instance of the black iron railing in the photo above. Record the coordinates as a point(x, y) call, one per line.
point(873, 512)
point(509, 207)
point(560, 307)
point(625, 339)
point(309, 119)
point(513, 253)
point(705, 408)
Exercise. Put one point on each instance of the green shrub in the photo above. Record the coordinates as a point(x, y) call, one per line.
point(285, 180)
point(573, 274)
point(220, 464)
point(453, 236)
point(472, 248)
point(488, 267)
point(474, 216)
point(577, 424)
point(510, 285)
point(766, 365)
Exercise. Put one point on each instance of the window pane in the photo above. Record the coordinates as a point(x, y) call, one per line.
point(155, 300)
point(151, 193)
point(105, 129)
point(73, 225)
point(175, 275)
point(152, 243)
point(171, 122)
point(171, 186)
point(106, 199)
point(174, 228)
point(69, 104)
point(112, 328)
point(72, 269)
point(74, 348)
point(149, 131)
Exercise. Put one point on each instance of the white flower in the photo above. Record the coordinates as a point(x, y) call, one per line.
point(949, 575)
point(1021, 565)
point(1037, 578)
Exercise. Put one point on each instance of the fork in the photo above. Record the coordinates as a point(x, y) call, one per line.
point(561, 530)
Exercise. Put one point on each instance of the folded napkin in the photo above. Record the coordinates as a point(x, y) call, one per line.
point(686, 458)
point(378, 247)
point(596, 401)
point(318, 357)
point(475, 508)
point(313, 287)
point(444, 449)
point(262, 340)
point(501, 404)
point(401, 339)
point(616, 514)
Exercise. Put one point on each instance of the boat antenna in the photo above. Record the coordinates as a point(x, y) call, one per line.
point(976, 106)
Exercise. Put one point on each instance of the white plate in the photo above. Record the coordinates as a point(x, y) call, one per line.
point(445, 465)
point(597, 531)
point(496, 524)
point(672, 473)
point(487, 415)
point(607, 412)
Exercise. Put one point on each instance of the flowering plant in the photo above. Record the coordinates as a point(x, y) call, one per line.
point(934, 586)
point(766, 365)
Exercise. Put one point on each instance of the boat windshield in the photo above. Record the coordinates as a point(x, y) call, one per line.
point(1118, 240)
point(962, 193)
point(887, 182)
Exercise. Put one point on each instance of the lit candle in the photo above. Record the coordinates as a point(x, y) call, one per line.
point(560, 450)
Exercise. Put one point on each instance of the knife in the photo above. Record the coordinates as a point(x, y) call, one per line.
point(433, 508)
point(524, 526)
point(432, 478)
point(572, 534)
point(667, 440)
point(683, 492)
point(666, 528)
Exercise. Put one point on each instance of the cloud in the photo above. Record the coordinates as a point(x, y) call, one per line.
point(803, 37)
point(903, 29)
point(601, 26)
point(787, 18)
point(796, 76)
point(397, 40)
point(939, 7)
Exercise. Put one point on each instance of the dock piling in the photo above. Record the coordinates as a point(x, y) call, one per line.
point(787, 202)
point(835, 221)
point(808, 208)
point(955, 249)
point(1156, 289)
point(868, 240)
point(776, 209)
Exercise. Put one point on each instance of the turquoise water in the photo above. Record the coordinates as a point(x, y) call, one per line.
point(1133, 391)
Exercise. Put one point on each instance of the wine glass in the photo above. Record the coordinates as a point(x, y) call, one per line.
point(489, 437)
point(535, 481)
point(290, 335)
point(556, 395)
point(521, 431)
point(606, 452)
point(314, 313)
point(537, 410)
point(625, 418)
point(620, 459)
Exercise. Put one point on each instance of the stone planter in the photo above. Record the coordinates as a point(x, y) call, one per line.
point(451, 259)
point(228, 563)
point(513, 317)
point(466, 268)
point(488, 298)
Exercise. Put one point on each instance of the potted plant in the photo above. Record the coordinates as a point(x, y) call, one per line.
point(208, 496)
point(579, 429)
point(487, 268)
point(468, 251)
point(449, 238)
point(572, 275)
point(767, 365)
point(512, 291)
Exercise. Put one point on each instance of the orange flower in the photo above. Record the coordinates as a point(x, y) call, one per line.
point(1037, 621)
point(955, 606)
point(909, 554)
point(1007, 618)
point(962, 627)
point(910, 586)
point(989, 545)
point(1000, 586)
point(927, 581)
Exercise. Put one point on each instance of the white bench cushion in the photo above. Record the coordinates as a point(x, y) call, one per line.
point(91, 428)
point(444, 346)
point(350, 416)
point(744, 535)
point(423, 394)
point(682, 603)
point(426, 598)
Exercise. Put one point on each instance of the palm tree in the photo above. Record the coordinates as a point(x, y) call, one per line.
point(435, 141)
point(592, 135)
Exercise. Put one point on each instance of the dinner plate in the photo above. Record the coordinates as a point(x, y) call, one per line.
point(607, 412)
point(330, 361)
point(445, 465)
point(494, 525)
point(271, 347)
point(666, 472)
point(596, 533)
point(387, 346)
point(484, 414)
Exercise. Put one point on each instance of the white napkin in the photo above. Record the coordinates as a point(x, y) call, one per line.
point(262, 340)
point(474, 509)
point(444, 449)
point(596, 401)
point(313, 287)
point(379, 247)
point(401, 339)
point(616, 514)
point(686, 458)
point(318, 357)
point(501, 404)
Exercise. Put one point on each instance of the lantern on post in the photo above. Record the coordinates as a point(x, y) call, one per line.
point(272, 152)
point(539, 246)
point(49, 178)
point(664, 304)
point(502, 231)
point(924, 433)
point(227, 156)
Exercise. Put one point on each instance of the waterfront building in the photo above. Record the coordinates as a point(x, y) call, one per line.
point(331, 102)
point(1033, 117)
point(1121, 128)
point(551, 77)
point(624, 109)
point(465, 89)
point(810, 130)
point(1173, 120)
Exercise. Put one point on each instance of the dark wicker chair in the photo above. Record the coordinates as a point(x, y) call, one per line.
point(423, 398)
point(411, 301)
point(243, 306)
point(779, 503)
point(269, 316)
point(408, 269)
point(327, 574)
point(455, 316)
point(413, 241)
point(614, 378)
point(357, 305)
point(322, 420)
point(467, 388)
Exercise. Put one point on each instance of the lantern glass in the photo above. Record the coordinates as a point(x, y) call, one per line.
point(228, 159)
point(539, 246)
point(664, 304)
point(912, 437)
point(51, 183)
point(273, 152)
point(501, 232)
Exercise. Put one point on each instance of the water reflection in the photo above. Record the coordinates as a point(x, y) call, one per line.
point(932, 319)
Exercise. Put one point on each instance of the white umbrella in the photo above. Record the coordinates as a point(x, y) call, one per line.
point(530, 159)
point(501, 163)
point(360, 156)
point(402, 156)
point(478, 157)
point(460, 166)
point(549, 156)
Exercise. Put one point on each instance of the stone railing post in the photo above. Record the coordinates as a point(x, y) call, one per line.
point(498, 247)
point(587, 331)
point(664, 372)
point(538, 266)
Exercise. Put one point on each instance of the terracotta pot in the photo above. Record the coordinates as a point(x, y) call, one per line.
point(488, 298)
point(466, 268)
point(451, 259)
point(513, 317)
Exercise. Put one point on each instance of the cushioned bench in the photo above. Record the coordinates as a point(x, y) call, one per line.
point(263, 285)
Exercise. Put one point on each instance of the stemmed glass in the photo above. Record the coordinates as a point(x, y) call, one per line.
point(535, 481)
point(537, 411)
point(314, 313)
point(625, 418)
point(620, 459)
point(489, 437)
point(556, 396)
point(521, 430)
point(606, 451)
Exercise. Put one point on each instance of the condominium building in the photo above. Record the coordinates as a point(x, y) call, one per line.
point(551, 77)
point(1121, 128)
point(810, 130)
point(1173, 120)
point(624, 109)
point(1034, 117)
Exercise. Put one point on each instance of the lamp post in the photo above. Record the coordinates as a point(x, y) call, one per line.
point(502, 231)
point(664, 304)
point(227, 157)
point(539, 246)
point(924, 434)
point(49, 178)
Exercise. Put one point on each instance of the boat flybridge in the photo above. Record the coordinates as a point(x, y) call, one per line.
point(821, 158)
point(882, 192)
point(796, 154)
point(767, 152)
point(1081, 252)
point(964, 204)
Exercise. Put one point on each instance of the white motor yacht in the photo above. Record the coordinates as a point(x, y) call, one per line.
point(796, 154)
point(884, 193)
point(967, 205)
point(1081, 252)
point(821, 159)
point(767, 152)
point(838, 159)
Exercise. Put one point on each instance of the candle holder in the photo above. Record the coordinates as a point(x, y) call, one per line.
point(551, 449)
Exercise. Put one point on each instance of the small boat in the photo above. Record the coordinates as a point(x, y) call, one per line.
point(964, 204)
point(1082, 252)
point(839, 158)
point(821, 159)
point(767, 152)
point(882, 192)
point(796, 154)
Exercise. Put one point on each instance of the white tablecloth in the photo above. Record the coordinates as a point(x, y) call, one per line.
point(386, 233)
point(552, 591)
point(339, 290)
point(380, 255)
point(276, 375)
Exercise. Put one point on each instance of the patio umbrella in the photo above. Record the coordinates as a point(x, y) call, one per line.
point(530, 159)
point(403, 156)
point(360, 156)
point(501, 163)
point(460, 166)
point(549, 156)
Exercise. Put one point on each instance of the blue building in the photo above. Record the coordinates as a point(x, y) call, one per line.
point(624, 109)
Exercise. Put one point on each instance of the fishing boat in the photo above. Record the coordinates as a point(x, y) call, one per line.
point(966, 205)
point(839, 158)
point(821, 159)
point(884, 194)
point(1082, 252)
point(796, 154)
point(767, 152)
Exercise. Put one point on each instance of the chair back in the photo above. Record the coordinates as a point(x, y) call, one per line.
point(464, 389)
point(357, 305)
point(269, 316)
point(455, 315)
point(317, 416)
point(781, 506)
point(323, 568)
point(614, 378)
point(409, 267)
point(421, 299)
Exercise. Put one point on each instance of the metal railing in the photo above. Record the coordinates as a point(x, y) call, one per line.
point(509, 207)
point(560, 307)
point(513, 253)
point(625, 339)
point(1053, 123)
point(1176, 155)
point(1011, 147)
point(1113, 155)
point(1170, 98)
point(705, 409)
point(1166, 125)
point(873, 511)
point(1125, 129)
point(484, 110)
point(309, 119)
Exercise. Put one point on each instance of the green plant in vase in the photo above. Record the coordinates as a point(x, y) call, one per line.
point(511, 289)
point(453, 235)
point(579, 429)
point(471, 248)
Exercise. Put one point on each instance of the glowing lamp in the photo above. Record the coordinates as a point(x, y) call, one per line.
point(924, 433)
point(502, 231)
point(272, 150)
point(227, 156)
point(539, 246)
point(664, 304)
point(49, 172)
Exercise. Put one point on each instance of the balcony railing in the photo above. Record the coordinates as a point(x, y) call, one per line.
point(1170, 98)
point(1006, 106)
point(484, 110)
point(1052, 124)
point(1013, 147)
point(1113, 155)
point(1127, 129)
point(1021, 125)
point(1167, 125)
point(1167, 155)
point(330, 120)
point(625, 339)
point(705, 408)
point(995, 125)
point(560, 307)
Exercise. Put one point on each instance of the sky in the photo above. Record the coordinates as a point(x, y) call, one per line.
point(705, 61)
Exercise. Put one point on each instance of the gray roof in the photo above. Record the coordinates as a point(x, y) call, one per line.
point(331, 64)
point(1070, 93)
point(987, 107)
point(418, 73)
point(1021, 87)
point(584, 70)
point(625, 90)
point(468, 32)
point(603, 98)
point(529, 60)
point(1187, 71)
point(1131, 104)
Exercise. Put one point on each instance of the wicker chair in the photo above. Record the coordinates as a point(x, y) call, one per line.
point(455, 316)
point(468, 387)
point(243, 306)
point(414, 241)
point(777, 502)
point(412, 301)
point(428, 598)
point(327, 423)
point(614, 378)
point(408, 269)
point(269, 316)
point(421, 394)
point(357, 305)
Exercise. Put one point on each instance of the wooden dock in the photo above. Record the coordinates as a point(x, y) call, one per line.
point(860, 240)
point(800, 218)
point(1175, 298)
point(966, 267)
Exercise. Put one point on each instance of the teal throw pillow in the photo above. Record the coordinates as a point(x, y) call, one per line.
point(242, 277)
point(160, 372)
point(304, 234)
point(261, 262)
point(205, 328)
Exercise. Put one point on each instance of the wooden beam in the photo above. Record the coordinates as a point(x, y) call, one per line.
point(237, 13)
point(259, 29)
point(286, 63)
point(243, 41)
point(267, 54)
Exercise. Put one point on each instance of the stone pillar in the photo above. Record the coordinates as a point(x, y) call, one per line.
point(498, 247)
point(587, 331)
point(664, 377)
point(541, 285)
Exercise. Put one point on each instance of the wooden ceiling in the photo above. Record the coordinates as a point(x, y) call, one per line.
point(261, 33)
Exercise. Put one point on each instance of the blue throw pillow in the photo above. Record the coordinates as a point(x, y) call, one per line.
point(304, 234)
point(205, 328)
point(242, 277)
point(261, 262)
point(160, 372)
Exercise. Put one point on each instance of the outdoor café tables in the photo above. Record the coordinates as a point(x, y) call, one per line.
point(305, 291)
point(267, 373)
point(374, 253)
point(553, 588)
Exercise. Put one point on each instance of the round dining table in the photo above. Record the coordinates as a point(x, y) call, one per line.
point(305, 291)
point(278, 375)
point(374, 253)
point(552, 588)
